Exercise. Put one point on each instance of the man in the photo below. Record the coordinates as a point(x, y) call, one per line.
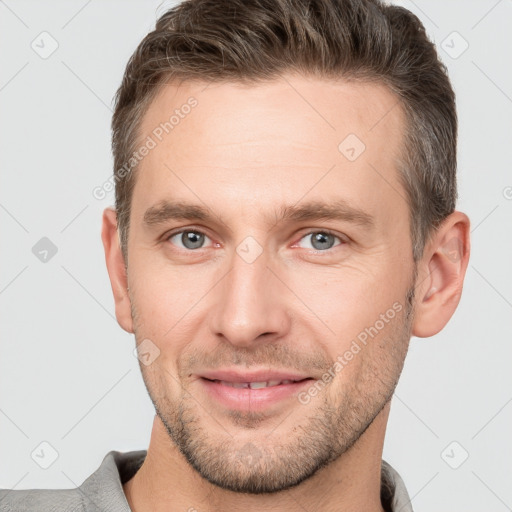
point(285, 221)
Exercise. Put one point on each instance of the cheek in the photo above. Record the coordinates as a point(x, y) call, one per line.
point(359, 322)
point(346, 299)
point(369, 364)
point(166, 296)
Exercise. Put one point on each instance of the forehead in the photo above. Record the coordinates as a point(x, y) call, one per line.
point(292, 106)
point(274, 142)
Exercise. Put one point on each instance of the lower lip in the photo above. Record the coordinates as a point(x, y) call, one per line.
point(252, 399)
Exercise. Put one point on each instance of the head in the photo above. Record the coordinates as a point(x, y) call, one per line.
point(293, 217)
point(256, 41)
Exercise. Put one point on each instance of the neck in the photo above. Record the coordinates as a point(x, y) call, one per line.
point(167, 482)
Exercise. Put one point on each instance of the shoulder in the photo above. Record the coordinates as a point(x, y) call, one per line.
point(41, 500)
point(101, 491)
point(393, 491)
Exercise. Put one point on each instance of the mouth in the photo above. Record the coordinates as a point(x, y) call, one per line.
point(258, 385)
point(260, 391)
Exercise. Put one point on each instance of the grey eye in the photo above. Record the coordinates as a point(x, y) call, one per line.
point(188, 239)
point(320, 240)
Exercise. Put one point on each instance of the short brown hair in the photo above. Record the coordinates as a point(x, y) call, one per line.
point(258, 40)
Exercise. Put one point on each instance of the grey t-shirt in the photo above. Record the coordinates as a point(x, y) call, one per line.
point(103, 491)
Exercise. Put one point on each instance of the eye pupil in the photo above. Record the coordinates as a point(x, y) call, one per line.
point(322, 241)
point(319, 240)
point(192, 239)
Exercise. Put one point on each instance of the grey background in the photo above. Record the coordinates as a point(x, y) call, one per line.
point(68, 376)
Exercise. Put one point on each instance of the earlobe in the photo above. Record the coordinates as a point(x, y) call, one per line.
point(116, 269)
point(439, 284)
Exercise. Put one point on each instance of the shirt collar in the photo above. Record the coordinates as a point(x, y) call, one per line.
point(104, 488)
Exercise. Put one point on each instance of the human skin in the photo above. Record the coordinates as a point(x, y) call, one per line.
point(243, 153)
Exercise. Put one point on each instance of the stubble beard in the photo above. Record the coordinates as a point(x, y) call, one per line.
point(281, 459)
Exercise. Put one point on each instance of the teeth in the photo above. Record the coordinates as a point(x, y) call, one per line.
point(235, 384)
point(255, 385)
point(259, 385)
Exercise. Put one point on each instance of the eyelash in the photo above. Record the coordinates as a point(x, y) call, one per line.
point(343, 240)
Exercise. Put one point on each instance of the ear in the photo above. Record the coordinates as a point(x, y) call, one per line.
point(116, 269)
point(441, 275)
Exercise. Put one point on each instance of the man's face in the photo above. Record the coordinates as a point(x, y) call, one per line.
point(251, 283)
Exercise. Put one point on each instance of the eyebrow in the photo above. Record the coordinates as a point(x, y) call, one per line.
point(340, 209)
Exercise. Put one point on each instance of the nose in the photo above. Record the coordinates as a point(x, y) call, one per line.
point(250, 304)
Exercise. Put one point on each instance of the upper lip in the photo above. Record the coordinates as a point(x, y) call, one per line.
point(263, 375)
